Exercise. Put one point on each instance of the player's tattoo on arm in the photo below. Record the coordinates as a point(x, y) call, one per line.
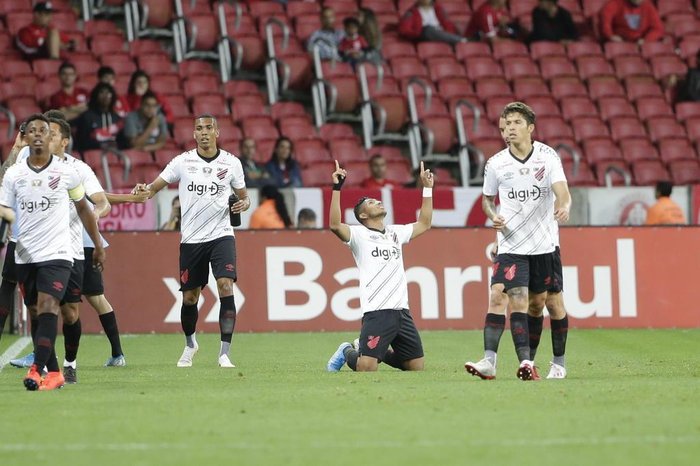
point(11, 159)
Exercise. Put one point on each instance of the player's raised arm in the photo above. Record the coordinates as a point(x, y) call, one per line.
point(12, 156)
point(139, 197)
point(562, 205)
point(425, 217)
point(102, 205)
point(340, 229)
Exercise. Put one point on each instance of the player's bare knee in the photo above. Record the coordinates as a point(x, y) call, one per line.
point(518, 297)
point(417, 364)
point(497, 301)
point(190, 297)
point(47, 304)
point(367, 364)
point(536, 303)
point(225, 287)
point(555, 306)
point(70, 312)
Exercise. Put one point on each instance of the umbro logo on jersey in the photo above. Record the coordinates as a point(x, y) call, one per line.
point(523, 195)
point(212, 188)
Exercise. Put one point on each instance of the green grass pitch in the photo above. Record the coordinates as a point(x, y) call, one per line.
point(632, 398)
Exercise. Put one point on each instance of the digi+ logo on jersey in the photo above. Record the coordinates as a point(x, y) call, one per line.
point(212, 188)
point(387, 253)
point(523, 195)
point(36, 206)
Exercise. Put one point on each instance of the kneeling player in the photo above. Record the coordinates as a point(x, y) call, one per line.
point(383, 289)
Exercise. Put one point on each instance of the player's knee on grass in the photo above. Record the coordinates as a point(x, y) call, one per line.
point(555, 306)
point(70, 312)
point(225, 287)
point(417, 364)
point(498, 300)
point(536, 302)
point(518, 298)
point(47, 304)
point(367, 364)
point(190, 297)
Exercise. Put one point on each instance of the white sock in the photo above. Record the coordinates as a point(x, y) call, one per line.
point(73, 364)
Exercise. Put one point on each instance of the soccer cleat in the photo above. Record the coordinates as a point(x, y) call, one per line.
point(25, 361)
point(224, 361)
point(335, 363)
point(70, 374)
point(116, 361)
point(484, 369)
point(535, 373)
point(187, 355)
point(556, 371)
point(52, 381)
point(525, 371)
point(32, 380)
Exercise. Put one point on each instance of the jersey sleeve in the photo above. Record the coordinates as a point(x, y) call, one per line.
point(354, 237)
point(403, 233)
point(89, 180)
point(490, 180)
point(556, 169)
point(7, 191)
point(76, 190)
point(238, 178)
point(171, 172)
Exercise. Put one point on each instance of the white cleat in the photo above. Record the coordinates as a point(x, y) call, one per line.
point(556, 371)
point(224, 361)
point(187, 356)
point(483, 369)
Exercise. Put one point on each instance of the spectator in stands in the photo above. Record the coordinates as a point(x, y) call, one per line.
point(145, 128)
point(107, 75)
point(551, 22)
point(353, 46)
point(491, 21)
point(377, 178)
point(139, 84)
point(39, 39)
point(370, 30)
point(99, 125)
point(173, 222)
point(306, 219)
point(272, 212)
point(284, 171)
point(687, 89)
point(255, 175)
point(327, 38)
point(427, 21)
point(665, 211)
point(631, 21)
point(71, 99)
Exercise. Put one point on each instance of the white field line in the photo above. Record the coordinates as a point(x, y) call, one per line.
point(13, 351)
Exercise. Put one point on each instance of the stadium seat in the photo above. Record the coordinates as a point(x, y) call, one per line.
point(620, 49)
point(196, 86)
point(692, 127)
point(575, 107)
point(660, 128)
point(455, 87)
point(648, 173)
point(296, 128)
point(482, 67)
point(581, 176)
point(398, 171)
point(121, 64)
point(234, 88)
point(167, 84)
point(519, 67)
point(22, 107)
point(589, 127)
point(346, 92)
point(395, 110)
point(285, 109)
point(599, 151)
point(311, 151)
point(612, 107)
point(654, 49)
point(556, 67)
point(566, 87)
point(626, 66)
point(495, 105)
point(616, 178)
point(666, 66)
point(333, 131)
point(605, 87)
point(45, 67)
point(530, 87)
point(686, 110)
point(242, 110)
point(444, 67)
point(347, 150)
point(650, 107)
point(492, 87)
point(638, 89)
point(14, 89)
point(214, 104)
point(138, 157)
point(102, 44)
point(673, 150)
point(548, 128)
point(317, 174)
point(583, 49)
point(544, 105)
point(259, 128)
point(427, 50)
point(589, 67)
point(509, 49)
point(634, 150)
point(622, 128)
point(467, 50)
point(178, 105)
point(547, 49)
point(685, 172)
point(390, 153)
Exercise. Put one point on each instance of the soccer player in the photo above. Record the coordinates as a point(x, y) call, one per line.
point(37, 188)
point(207, 176)
point(498, 302)
point(531, 185)
point(376, 248)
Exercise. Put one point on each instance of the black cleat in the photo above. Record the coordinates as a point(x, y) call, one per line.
point(70, 374)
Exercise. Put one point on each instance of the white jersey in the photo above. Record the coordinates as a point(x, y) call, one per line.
point(42, 198)
point(92, 186)
point(524, 188)
point(22, 155)
point(380, 260)
point(205, 186)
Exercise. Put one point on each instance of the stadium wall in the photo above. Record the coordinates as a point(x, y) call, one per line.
point(306, 280)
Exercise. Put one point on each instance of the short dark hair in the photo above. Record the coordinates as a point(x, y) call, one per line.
point(65, 65)
point(664, 188)
point(149, 95)
point(351, 21)
point(104, 71)
point(34, 117)
point(63, 124)
point(207, 115)
point(375, 157)
point(518, 107)
point(358, 206)
point(53, 113)
point(306, 214)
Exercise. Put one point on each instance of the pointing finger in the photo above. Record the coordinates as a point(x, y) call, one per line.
point(337, 165)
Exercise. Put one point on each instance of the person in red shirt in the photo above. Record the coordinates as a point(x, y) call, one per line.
point(377, 179)
point(353, 46)
point(71, 99)
point(39, 39)
point(490, 21)
point(138, 85)
point(107, 75)
point(631, 21)
point(427, 21)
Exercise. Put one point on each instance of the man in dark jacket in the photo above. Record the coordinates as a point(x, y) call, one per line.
point(551, 22)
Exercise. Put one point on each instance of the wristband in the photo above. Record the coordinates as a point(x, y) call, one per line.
point(339, 184)
point(427, 192)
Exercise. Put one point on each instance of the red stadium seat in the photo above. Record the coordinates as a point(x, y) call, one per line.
point(103, 44)
point(428, 50)
point(455, 87)
point(138, 157)
point(398, 171)
point(333, 131)
point(599, 151)
point(648, 173)
point(45, 67)
point(284, 109)
point(532, 87)
point(347, 150)
point(583, 49)
point(613, 107)
point(466, 50)
point(555, 67)
point(626, 66)
point(243, 110)
point(634, 150)
point(666, 66)
point(568, 87)
point(575, 107)
point(616, 178)
point(492, 87)
point(685, 172)
point(508, 49)
point(627, 128)
point(317, 174)
point(311, 151)
point(22, 107)
point(520, 67)
point(686, 110)
point(665, 128)
point(302, 8)
point(390, 154)
point(581, 176)
point(548, 128)
point(692, 127)
point(544, 105)
point(638, 89)
point(179, 105)
point(620, 49)
point(234, 88)
point(654, 49)
point(673, 150)
point(650, 107)
point(589, 67)
point(590, 127)
point(398, 49)
point(605, 87)
point(547, 49)
point(196, 86)
point(482, 67)
point(214, 104)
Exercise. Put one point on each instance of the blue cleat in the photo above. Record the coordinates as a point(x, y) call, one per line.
point(116, 361)
point(25, 361)
point(335, 363)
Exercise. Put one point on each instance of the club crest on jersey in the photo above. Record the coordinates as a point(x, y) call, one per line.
point(539, 174)
point(36, 183)
point(53, 181)
point(524, 171)
point(221, 174)
point(206, 170)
